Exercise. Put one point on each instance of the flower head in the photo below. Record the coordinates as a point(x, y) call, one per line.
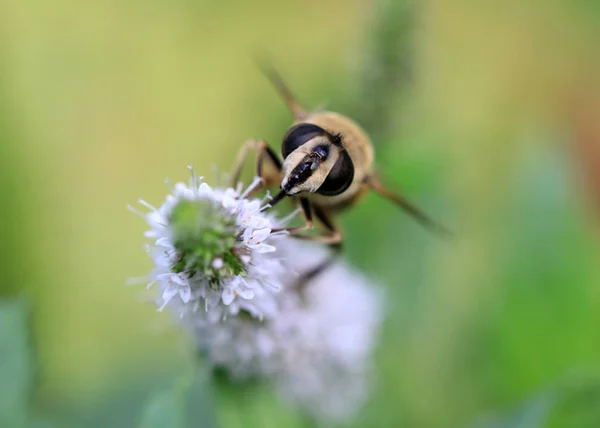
point(213, 250)
point(327, 341)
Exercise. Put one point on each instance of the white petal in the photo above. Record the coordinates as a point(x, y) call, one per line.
point(169, 293)
point(228, 203)
point(179, 280)
point(185, 293)
point(245, 293)
point(260, 222)
point(252, 207)
point(154, 217)
point(248, 210)
point(164, 276)
point(180, 189)
point(247, 235)
point(204, 190)
point(231, 193)
point(260, 235)
point(264, 248)
point(164, 242)
point(228, 295)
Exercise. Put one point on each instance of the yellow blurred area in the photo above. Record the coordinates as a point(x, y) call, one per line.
point(111, 98)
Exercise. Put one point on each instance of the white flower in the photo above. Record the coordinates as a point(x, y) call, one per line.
point(332, 331)
point(213, 252)
point(317, 351)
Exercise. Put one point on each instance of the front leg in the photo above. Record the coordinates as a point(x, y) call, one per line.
point(333, 235)
point(332, 238)
point(305, 209)
point(263, 152)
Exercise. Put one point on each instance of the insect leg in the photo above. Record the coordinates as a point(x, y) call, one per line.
point(333, 235)
point(264, 151)
point(306, 210)
point(318, 269)
point(335, 240)
point(407, 206)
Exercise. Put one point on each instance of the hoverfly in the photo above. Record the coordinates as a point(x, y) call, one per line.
point(328, 165)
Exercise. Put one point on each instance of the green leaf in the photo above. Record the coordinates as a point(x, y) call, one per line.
point(184, 405)
point(532, 415)
point(572, 402)
point(38, 422)
point(579, 406)
point(164, 409)
point(252, 404)
point(15, 363)
point(200, 408)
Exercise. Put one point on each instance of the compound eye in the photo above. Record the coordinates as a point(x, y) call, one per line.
point(299, 135)
point(339, 178)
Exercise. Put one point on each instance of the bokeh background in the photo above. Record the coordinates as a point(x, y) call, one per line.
point(487, 114)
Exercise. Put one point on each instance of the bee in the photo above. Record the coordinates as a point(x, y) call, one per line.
point(328, 165)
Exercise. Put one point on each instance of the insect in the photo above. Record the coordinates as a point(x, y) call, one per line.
point(327, 166)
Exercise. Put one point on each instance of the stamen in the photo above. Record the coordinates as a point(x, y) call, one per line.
point(147, 205)
point(267, 197)
point(168, 183)
point(290, 216)
point(164, 305)
point(136, 211)
point(239, 187)
point(255, 183)
point(194, 184)
point(279, 233)
point(215, 174)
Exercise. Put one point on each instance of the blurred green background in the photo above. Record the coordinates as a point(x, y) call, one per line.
point(487, 114)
